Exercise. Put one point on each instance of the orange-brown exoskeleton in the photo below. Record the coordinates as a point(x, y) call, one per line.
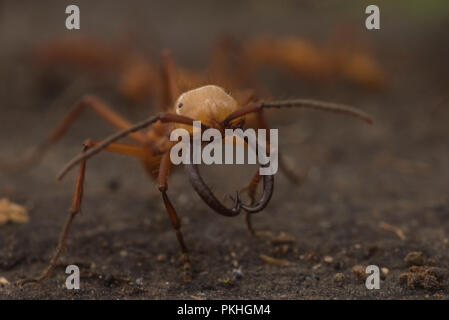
point(133, 74)
point(320, 63)
point(214, 107)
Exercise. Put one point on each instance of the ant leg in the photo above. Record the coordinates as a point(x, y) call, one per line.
point(163, 117)
point(102, 110)
point(74, 210)
point(125, 149)
point(164, 171)
point(169, 80)
point(298, 103)
point(251, 190)
point(252, 187)
point(289, 173)
point(230, 67)
point(89, 101)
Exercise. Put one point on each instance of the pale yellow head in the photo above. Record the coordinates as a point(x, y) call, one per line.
point(209, 104)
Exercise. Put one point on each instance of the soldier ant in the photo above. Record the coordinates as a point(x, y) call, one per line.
point(153, 147)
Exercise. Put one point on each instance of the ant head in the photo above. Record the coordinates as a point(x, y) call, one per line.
point(209, 104)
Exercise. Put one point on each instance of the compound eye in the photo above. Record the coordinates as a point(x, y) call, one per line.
point(180, 106)
point(228, 92)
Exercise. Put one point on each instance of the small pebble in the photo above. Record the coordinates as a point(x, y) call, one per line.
point(359, 271)
point(123, 253)
point(109, 281)
point(139, 281)
point(339, 278)
point(312, 257)
point(237, 274)
point(317, 266)
point(415, 258)
point(338, 265)
point(385, 271)
point(161, 257)
point(328, 259)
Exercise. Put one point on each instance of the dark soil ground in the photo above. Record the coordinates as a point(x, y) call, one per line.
point(361, 177)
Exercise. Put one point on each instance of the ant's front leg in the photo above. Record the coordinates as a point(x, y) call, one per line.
point(251, 191)
point(100, 109)
point(164, 171)
point(74, 210)
point(289, 173)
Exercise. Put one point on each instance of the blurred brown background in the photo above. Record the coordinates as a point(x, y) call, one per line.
point(360, 178)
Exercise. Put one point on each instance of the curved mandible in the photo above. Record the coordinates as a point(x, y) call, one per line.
point(268, 187)
point(207, 195)
point(209, 198)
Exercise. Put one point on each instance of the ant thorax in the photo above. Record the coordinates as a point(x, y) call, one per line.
point(209, 104)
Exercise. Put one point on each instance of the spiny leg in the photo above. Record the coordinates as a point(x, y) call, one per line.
point(102, 110)
point(251, 190)
point(258, 107)
point(163, 118)
point(164, 171)
point(74, 210)
point(229, 65)
point(298, 103)
point(170, 85)
point(289, 173)
point(135, 151)
point(91, 102)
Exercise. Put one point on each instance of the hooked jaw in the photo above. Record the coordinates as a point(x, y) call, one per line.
point(207, 195)
point(211, 200)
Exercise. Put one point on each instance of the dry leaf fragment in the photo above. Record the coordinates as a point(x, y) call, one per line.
point(274, 261)
point(12, 212)
point(283, 238)
point(396, 230)
point(4, 281)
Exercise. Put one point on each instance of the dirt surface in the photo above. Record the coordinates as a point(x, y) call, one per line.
point(372, 195)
